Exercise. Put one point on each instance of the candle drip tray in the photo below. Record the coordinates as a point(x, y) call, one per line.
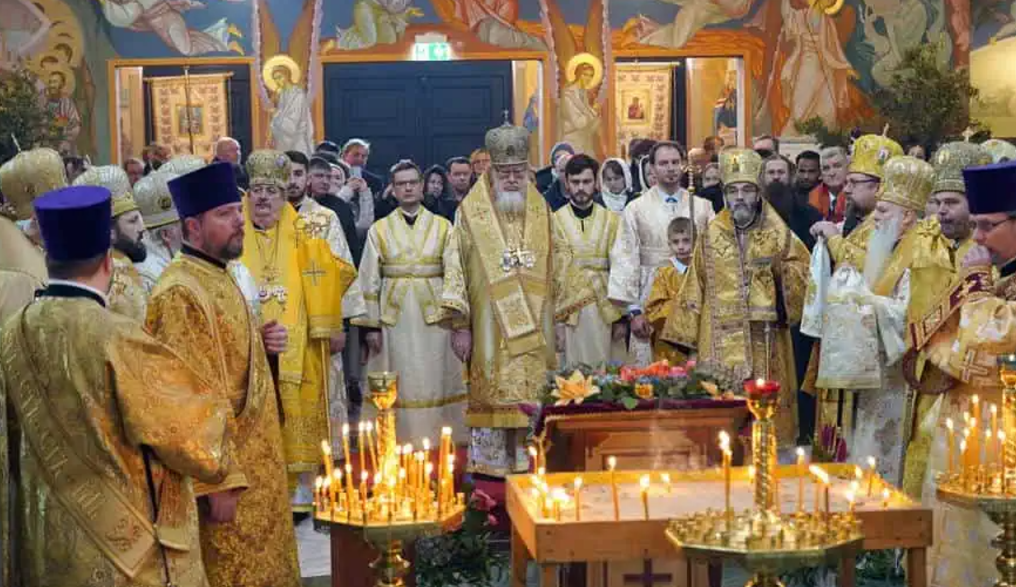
point(378, 531)
point(769, 543)
point(986, 496)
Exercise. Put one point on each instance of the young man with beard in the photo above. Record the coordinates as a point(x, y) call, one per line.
point(198, 310)
point(641, 245)
point(596, 333)
point(402, 275)
point(301, 284)
point(888, 285)
point(508, 279)
point(127, 294)
point(777, 182)
point(746, 253)
point(966, 330)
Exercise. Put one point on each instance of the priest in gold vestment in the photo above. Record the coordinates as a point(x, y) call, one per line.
point(641, 246)
point(22, 262)
point(508, 278)
point(300, 287)
point(402, 275)
point(247, 537)
point(847, 246)
point(745, 288)
point(108, 430)
point(962, 333)
point(594, 335)
point(127, 294)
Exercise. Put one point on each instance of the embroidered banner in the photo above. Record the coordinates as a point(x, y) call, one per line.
point(200, 102)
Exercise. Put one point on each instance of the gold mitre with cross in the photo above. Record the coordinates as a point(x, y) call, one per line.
point(183, 164)
point(508, 145)
point(29, 175)
point(871, 153)
point(740, 166)
point(268, 166)
point(907, 182)
point(951, 159)
point(154, 199)
point(114, 179)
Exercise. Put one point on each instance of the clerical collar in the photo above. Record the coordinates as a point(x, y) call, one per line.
point(189, 250)
point(681, 267)
point(582, 213)
point(297, 203)
point(409, 218)
point(62, 288)
point(1008, 269)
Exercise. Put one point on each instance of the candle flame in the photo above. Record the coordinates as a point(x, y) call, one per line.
point(1001, 435)
point(446, 431)
point(532, 451)
point(370, 426)
point(541, 471)
point(578, 483)
point(345, 429)
point(559, 494)
point(858, 472)
point(402, 473)
point(612, 462)
point(855, 486)
point(408, 449)
point(963, 445)
point(987, 434)
point(337, 475)
point(349, 470)
point(800, 453)
point(949, 424)
point(426, 444)
point(361, 427)
point(363, 476)
point(993, 409)
point(665, 477)
point(377, 479)
point(760, 382)
point(975, 399)
point(850, 497)
point(326, 447)
point(871, 462)
point(428, 468)
point(819, 472)
point(885, 494)
point(318, 483)
point(644, 482)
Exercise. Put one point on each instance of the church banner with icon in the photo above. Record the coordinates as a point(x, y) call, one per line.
point(190, 112)
point(643, 101)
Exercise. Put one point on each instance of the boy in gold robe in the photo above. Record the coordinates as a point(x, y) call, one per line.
point(667, 286)
point(300, 287)
point(247, 537)
point(109, 426)
point(744, 289)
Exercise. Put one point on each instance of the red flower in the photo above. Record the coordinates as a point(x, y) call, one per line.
point(690, 364)
point(480, 501)
point(491, 520)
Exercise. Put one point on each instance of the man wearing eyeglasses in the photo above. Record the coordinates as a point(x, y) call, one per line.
point(402, 276)
point(745, 288)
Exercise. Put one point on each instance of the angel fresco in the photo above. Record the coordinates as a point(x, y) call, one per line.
point(906, 26)
point(291, 125)
point(376, 22)
point(584, 94)
point(495, 22)
point(165, 18)
point(693, 16)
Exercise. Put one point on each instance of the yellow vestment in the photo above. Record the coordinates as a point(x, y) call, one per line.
point(86, 389)
point(127, 294)
point(22, 269)
point(666, 288)
point(300, 285)
point(588, 332)
point(727, 324)
point(198, 309)
point(508, 278)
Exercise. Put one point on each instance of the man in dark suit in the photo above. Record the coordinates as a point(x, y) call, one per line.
point(320, 183)
point(355, 153)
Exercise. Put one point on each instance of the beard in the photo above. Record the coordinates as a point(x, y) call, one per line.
point(781, 197)
point(134, 249)
point(880, 247)
point(743, 214)
point(232, 250)
point(511, 202)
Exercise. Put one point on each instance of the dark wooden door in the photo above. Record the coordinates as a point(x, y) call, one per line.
point(424, 111)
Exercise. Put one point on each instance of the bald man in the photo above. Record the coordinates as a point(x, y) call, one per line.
point(227, 149)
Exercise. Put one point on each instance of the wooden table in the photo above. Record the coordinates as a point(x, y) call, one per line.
point(597, 537)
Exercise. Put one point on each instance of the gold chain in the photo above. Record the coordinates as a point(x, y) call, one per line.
point(270, 273)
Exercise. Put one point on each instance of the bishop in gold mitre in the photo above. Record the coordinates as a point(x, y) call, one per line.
point(508, 278)
point(127, 294)
point(300, 286)
point(247, 537)
point(745, 288)
point(108, 428)
point(22, 262)
point(964, 332)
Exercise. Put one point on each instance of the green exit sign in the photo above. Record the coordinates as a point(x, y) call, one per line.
point(432, 52)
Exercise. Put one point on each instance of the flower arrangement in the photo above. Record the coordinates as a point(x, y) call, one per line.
point(631, 386)
point(466, 556)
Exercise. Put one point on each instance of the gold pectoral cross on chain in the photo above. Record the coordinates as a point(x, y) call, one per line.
point(515, 258)
point(272, 291)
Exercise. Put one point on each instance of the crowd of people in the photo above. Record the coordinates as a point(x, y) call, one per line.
point(177, 336)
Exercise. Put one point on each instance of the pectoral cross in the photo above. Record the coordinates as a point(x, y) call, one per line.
point(968, 134)
point(514, 258)
point(314, 272)
point(506, 113)
point(270, 292)
point(648, 578)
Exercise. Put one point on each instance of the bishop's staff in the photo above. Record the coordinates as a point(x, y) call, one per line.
point(188, 106)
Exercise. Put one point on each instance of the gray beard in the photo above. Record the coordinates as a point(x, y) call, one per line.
point(880, 248)
point(511, 202)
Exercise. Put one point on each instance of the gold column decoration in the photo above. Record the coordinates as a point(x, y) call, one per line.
point(190, 110)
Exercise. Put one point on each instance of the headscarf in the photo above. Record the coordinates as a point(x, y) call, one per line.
point(615, 202)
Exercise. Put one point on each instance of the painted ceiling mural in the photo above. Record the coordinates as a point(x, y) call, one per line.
point(810, 57)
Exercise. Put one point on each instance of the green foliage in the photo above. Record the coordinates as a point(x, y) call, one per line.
point(824, 135)
point(465, 556)
point(928, 103)
point(22, 114)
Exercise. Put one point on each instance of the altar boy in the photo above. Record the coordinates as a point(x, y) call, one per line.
point(666, 286)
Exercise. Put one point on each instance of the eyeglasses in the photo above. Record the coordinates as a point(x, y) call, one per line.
point(987, 226)
point(852, 183)
point(407, 183)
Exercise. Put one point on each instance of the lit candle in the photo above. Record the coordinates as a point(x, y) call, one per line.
point(725, 451)
point(816, 473)
point(428, 471)
point(665, 477)
point(644, 487)
point(345, 443)
point(361, 445)
point(578, 499)
point(986, 454)
point(349, 486)
point(334, 486)
point(963, 461)
point(885, 498)
point(950, 440)
point(535, 456)
point(612, 464)
point(850, 500)
point(326, 454)
point(444, 450)
point(801, 471)
point(993, 410)
point(363, 492)
point(558, 499)
point(1002, 449)
point(318, 488)
point(871, 474)
point(372, 446)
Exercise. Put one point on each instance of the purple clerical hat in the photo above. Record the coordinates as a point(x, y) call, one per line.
point(991, 188)
point(204, 189)
point(74, 222)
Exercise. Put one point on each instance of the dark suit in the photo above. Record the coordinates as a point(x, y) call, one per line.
point(344, 211)
point(555, 196)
